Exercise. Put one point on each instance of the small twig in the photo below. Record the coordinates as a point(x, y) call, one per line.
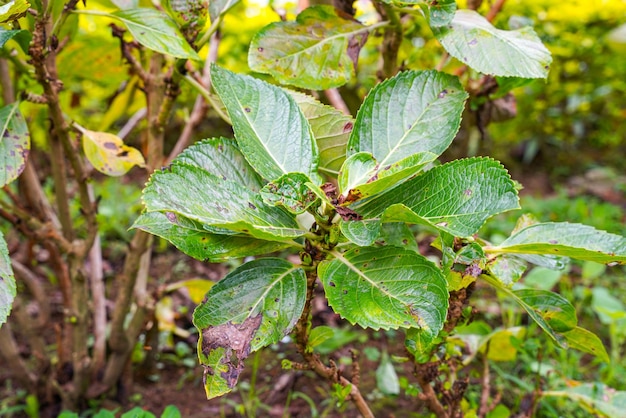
point(485, 407)
point(199, 107)
point(132, 122)
point(335, 99)
point(125, 48)
point(495, 9)
point(37, 290)
point(391, 41)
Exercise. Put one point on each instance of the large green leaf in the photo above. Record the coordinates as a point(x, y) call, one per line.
point(386, 287)
point(157, 31)
point(8, 288)
point(222, 158)
point(564, 239)
point(191, 238)
point(317, 51)
point(196, 194)
point(413, 112)
point(456, 197)
point(331, 129)
point(14, 143)
point(255, 305)
point(270, 129)
point(471, 39)
point(596, 398)
point(21, 36)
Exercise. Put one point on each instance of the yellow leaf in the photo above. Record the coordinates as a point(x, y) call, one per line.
point(108, 154)
point(197, 288)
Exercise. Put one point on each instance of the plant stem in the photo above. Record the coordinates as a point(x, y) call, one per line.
point(391, 41)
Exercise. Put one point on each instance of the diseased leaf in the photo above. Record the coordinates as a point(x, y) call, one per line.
point(564, 239)
point(413, 112)
point(108, 154)
point(14, 143)
point(441, 12)
point(188, 13)
point(8, 287)
point(331, 130)
point(270, 129)
point(420, 344)
point(357, 169)
point(290, 191)
point(457, 197)
point(587, 342)
point(474, 41)
point(364, 184)
point(196, 194)
point(252, 307)
point(21, 36)
point(398, 234)
point(222, 158)
point(191, 238)
point(499, 346)
point(386, 287)
point(13, 10)
point(156, 31)
point(507, 269)
point(317, 51)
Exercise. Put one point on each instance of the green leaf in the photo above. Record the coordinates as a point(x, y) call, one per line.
point(471, 39)
point(270, 129)
point(108, 154)
point(196, 194)
point(564, 239)
point(361, 233)
point(587, 342)
point(551, 311)
point(596, 398)
point(171, 411)
point(290, 191)
point(441, 12)
point(255, 305)
point(8, 287)
point(420, 344)
point(156, 31)
point(21, 36)
point(14, 143)
point(398, 234)
point(222, 158)
point(194, 240)
point(361, 176)
point(13, 10)
point(331, 130)
point(317, 51)
point(386, 377)
point(507, 269)
point(220, 7)
point(413, 112)
point(188, 13)
point(318, 335)
point(457, 197)
point(386, 287)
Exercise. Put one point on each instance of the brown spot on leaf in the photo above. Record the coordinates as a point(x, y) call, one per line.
point(235, 340)
point(348, 127)
point(171, 217)
point(109, 145)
